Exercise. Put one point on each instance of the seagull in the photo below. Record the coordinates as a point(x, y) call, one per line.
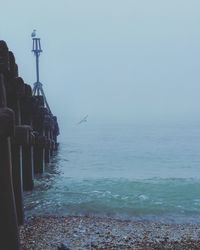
point(83, 120)
point(33, 34)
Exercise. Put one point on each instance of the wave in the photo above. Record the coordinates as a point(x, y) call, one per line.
point(125, 198)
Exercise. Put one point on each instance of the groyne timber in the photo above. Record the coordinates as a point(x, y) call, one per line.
point(28, 139)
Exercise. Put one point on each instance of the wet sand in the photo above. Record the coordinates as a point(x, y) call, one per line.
point(87, 232)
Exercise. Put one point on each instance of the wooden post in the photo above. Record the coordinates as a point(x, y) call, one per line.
point(17, 179)
point(27, 160)
point(27, 147)
point(47, 129)
point(41, 140)
point(39, 154)
point(47, 150)
point(8, 217)
point(55, 132)
point(15, 90)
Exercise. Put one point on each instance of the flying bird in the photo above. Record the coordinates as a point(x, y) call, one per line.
point(83, 120)
point(33, 34)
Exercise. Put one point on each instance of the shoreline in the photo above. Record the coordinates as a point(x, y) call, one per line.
point(45, 232)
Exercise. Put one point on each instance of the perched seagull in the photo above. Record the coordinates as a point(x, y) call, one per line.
point(33, 34)
point(83, 120)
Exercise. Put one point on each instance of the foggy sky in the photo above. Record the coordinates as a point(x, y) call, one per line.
point(114, 60)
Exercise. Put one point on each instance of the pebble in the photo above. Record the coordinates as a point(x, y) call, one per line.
point(74, 232)
point(63, 246)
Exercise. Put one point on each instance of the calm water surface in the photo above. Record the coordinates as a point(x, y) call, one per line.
point(131, 171)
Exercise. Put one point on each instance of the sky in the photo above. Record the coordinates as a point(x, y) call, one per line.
point(115, 60)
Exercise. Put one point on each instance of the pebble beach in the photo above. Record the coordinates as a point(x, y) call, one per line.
point(88, 232)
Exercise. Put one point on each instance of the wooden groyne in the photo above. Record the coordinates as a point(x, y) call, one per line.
point(28, 138)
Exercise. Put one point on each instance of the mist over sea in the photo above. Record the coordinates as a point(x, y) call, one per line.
point(129, 171)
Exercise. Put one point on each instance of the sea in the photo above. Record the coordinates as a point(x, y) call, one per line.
point(144, 171)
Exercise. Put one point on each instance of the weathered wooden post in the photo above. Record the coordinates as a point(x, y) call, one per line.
point(47, 129)
point(27, 146)
point(39, 154)
point(25, 135)
point(26, 106)
point(47, 149)
point(14, 95)
point(41, 141)
point(52, 148)
point(22, 176)
point(9, 236)
point(14, 91)
point(17, 142)
point(55, 132)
